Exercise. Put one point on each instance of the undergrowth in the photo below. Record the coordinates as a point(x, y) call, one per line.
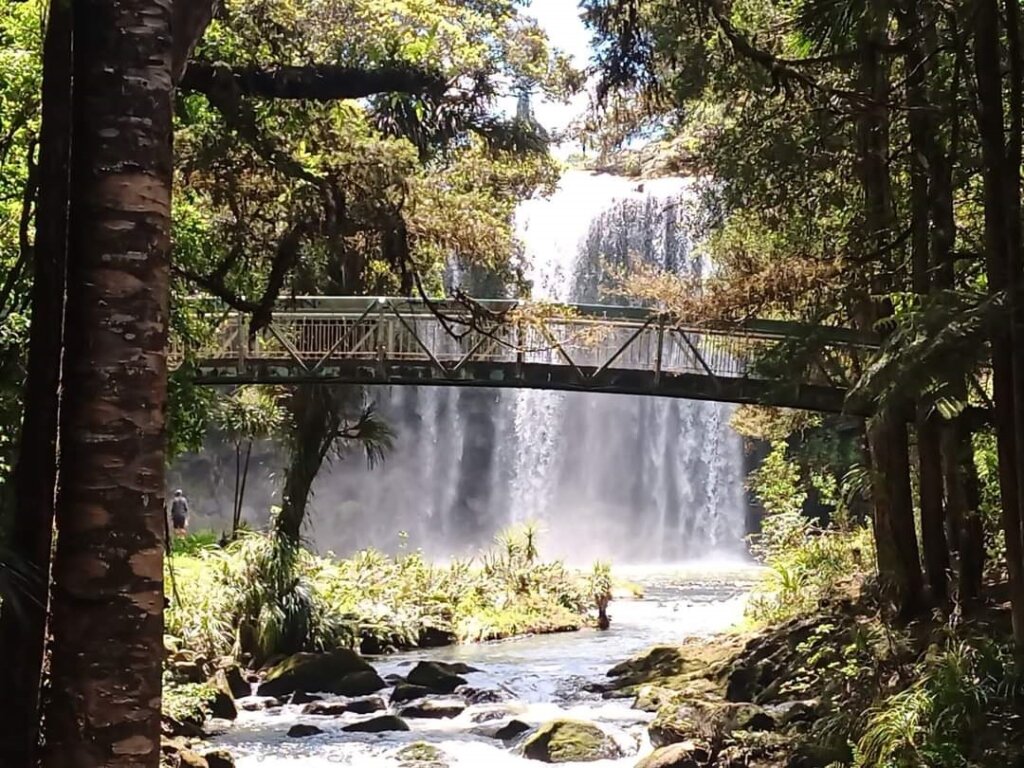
point(262, 595)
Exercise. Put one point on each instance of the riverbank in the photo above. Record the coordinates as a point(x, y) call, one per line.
point(262, 597)
point(522, 684)
point(835, 687)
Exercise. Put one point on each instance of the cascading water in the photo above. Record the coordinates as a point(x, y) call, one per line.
point(632, 478)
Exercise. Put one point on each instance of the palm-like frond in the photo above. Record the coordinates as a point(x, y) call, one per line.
point(929, 350)
point(373, 434)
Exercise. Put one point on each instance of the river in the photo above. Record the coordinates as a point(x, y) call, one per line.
point(547, 677)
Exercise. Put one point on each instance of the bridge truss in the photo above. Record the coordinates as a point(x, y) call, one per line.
point(591, 348)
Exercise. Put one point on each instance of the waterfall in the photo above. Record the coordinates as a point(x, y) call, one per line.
point(630, 478)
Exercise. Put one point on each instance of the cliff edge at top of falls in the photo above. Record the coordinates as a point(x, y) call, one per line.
point(813, 691)
point(657, 159)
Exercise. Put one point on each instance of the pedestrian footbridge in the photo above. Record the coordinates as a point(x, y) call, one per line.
point(584, 348)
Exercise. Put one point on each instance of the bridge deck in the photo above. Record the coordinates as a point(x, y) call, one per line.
point(582, 348)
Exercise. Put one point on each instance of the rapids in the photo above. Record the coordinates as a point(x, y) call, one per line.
point(546, 676)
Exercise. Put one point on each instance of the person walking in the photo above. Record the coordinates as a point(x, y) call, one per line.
point(179, 514)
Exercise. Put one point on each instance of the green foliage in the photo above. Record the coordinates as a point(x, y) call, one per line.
point(806, 561)
point(187, 702)
point(251, 413)
point(265, 595)
point(963, 688)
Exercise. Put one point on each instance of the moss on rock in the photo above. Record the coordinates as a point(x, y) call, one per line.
point(570, 741)
point(421, 755)
point(333, 672)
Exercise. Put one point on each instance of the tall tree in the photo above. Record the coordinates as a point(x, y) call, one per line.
point(107, 593)
point(22, 633)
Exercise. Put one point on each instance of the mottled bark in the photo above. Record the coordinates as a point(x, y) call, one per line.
point(990, 126)
point(107, 593)
point(22, 635)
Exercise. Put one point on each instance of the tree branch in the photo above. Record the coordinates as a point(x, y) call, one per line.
point(316, 82)
point(189, 21)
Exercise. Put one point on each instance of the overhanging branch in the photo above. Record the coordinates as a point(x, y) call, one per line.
point(316, 82)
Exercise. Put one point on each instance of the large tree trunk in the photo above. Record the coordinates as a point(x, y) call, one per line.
point(990, 126)
point(895, 537)
point(22, 634)
point(107, 621)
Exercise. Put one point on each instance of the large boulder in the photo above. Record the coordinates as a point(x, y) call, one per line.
point(336, 672)
point(570, 741)
point(686, 754)
point(435, 708)
point(378, 725)
point(363, 706)
point(437, 676)
point(702, 720)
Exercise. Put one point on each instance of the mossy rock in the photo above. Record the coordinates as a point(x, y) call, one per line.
point(436, 676)
point(421, 755)
point(337, 672)
point(686, 754)
point(700, 720)
point(570, 741)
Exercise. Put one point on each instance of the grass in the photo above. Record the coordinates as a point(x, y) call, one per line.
point(260, 596)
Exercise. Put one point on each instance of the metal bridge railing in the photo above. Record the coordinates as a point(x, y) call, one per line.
point(310, 333)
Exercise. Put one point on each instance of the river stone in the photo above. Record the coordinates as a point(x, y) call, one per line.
point(302, 730)
point(230, 679)
point(189, 759)
point(363, 706)
point(219, 758)
point(301, 697)
point(408, 692)
point(378, 725)
point(474, 696)
point(511, 730)
point(329, 672)
point(570, 741)
point(222, 706)
point(436, 676)
point(685, 754)
point(421, 755)
point(435, 708)
point(256, 704)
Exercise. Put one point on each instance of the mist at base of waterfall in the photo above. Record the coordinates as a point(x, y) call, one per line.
point(631, 479)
